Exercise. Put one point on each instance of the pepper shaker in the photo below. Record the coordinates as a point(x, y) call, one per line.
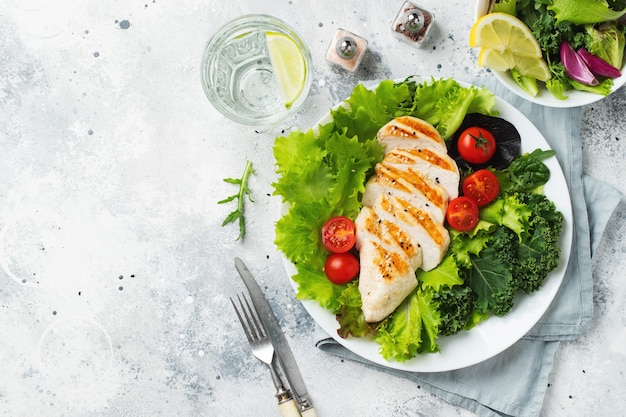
point(412, 23)
point(346, 50)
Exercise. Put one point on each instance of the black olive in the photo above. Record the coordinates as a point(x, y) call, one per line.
point(508, 141)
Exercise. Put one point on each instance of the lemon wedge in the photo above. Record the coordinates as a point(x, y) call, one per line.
point(506, 42)
point(288, 65)
point(502, 31)
point(496, 60)
point(505, 60)
point(533, 67)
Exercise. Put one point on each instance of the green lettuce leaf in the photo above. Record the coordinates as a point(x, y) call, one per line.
point(581, 12)
point(412, 328)
point(444, 104)
point(607, 41)
point(313, 285)
point(350, 316)
point(508, 211)
point(446, 274)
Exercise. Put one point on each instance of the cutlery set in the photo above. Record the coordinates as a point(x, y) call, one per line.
point(268, 342)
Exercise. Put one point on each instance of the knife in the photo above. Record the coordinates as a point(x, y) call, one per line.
point(285, 356)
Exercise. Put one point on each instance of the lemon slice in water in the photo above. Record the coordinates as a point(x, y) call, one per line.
point(288, 65)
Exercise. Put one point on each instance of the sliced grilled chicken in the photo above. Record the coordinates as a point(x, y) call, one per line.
point(405, 201)
point(435, 164)
point(388, 277)
point(388, 234)
point(405, 182)
point(431, 234)
point(409, 132)
point(389, 280)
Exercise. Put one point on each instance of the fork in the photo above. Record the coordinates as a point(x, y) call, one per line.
point(263, 350)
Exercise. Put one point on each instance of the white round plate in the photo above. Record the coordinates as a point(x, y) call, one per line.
point(575, 98)
point(495, 334)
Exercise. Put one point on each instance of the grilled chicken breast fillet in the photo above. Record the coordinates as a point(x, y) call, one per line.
point(432, 236)
point(407, 132)
point(435, 164)
point(393, 256)
point(388, 235)
point(409, 184)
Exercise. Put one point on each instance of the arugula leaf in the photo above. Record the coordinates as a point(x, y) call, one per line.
point(244, 190)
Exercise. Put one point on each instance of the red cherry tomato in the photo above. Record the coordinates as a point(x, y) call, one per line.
point(338, 234)
point(476, 145)
point(462, 214)
point(341, 268)
point(482, 186)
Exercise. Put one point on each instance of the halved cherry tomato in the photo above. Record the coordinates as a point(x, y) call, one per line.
point(482, 186)
point(341, 268)
point(476, 145)
point(338, 234)
point(462, 214)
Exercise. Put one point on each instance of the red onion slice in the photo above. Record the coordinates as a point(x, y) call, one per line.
point(598, 65)
point(574, 65)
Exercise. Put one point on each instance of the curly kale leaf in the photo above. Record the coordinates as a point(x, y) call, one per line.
point(492, 282)
point(455, 307)
point(539, 253)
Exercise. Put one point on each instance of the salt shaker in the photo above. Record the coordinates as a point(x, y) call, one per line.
point(346, 50)
point(412, 23)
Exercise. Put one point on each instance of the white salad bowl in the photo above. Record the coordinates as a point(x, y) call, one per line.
point(544, 97)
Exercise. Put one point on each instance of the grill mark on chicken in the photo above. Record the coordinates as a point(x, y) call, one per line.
point(400, 156)
point(433, 163)
point(415, 216)
point(389, 264)
point(411, 128)
point(392, 235)
point(433, 193)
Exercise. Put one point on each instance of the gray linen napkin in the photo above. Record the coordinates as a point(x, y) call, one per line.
point(524, 368)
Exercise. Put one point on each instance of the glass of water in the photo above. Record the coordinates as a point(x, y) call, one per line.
point(256, 70)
